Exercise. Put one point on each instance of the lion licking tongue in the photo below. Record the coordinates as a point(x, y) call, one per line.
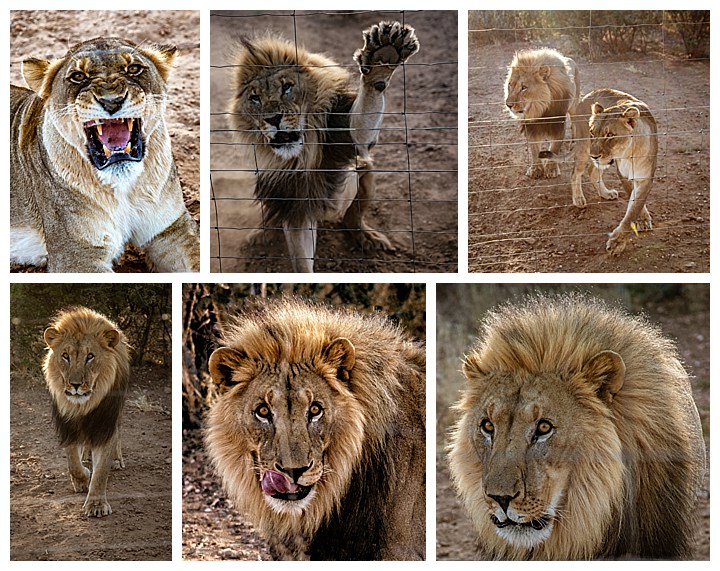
point(276, 483)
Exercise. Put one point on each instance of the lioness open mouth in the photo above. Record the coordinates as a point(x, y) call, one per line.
point(113, 140)
point(537, 524)
point(277, 485)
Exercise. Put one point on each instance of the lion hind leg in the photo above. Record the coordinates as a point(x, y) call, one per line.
point(636, 217)
point(368, 237)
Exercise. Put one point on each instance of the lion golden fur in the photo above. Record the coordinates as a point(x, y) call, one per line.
point(370, 499)
point(633, 457)
point(89, 355)
point(542, 86)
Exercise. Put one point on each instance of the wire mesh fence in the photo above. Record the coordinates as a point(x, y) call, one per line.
point(517, 223)
point(415, 158)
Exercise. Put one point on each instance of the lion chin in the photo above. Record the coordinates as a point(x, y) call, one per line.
point(76, 398)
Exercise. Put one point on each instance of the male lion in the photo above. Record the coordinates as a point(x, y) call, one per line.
point(542, 86)
point(612, 127)
point(87, 371)
point(91, 167)
point(319, 434)
point(578, 436)
point(310, 132)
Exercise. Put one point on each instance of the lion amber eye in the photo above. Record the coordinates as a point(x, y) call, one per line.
point(487, 427)
point(315, 411)
point(89, 358)
point(66, 357)
point(77, 77)
point(135, 69)
point(544, 427)
point(263, 411)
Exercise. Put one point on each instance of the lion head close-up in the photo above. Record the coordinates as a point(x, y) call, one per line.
point(320, 412)
point(562, 450)
point(106, 96)
point(86, 360)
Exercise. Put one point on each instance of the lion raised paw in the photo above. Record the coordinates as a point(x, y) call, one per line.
point(387, 45)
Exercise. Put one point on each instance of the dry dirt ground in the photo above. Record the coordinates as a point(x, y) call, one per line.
point(48, 35)
point(416, 209)
point(455, 538)
point(517, 224)
point(46, 517)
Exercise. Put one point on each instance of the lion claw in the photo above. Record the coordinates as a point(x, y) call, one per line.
point(388, 44)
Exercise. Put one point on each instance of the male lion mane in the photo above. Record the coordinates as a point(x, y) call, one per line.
point(640, 500)
point(317, 174)
point(370, 504)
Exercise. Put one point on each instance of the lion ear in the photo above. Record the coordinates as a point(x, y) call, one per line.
point(222, 365)
point(544, 71)
point(40, 73)
point(340, 354)
point(606, 371)
point(111, 337)
point(473, 367)
point(163, 57)
point(597, 108)
point(631, 115)
point(50, 335)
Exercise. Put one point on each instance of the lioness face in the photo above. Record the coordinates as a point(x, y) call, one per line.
point(107, 98)
point(610, 131)
point(79, 358)
point(526, 439)
point(272, 103)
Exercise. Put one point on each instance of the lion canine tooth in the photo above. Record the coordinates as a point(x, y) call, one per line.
point(107, 151)
point(127, 149)
point(98, 126)
point(130, 123)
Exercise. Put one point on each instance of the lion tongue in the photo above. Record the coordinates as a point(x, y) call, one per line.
point(276, 483)
point(114, 134)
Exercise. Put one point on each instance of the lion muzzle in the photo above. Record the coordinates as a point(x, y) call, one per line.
point(277, 485)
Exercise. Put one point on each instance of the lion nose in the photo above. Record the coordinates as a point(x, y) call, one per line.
point(503, 501)
point(274, 120)
point(294, 473)
point(111, 104)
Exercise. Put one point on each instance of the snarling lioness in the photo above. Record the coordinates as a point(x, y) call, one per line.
point(578, 436)
point(310, 130)
point(87, 370)
point(612, 127)
point(91, 168)
point(541, 88)
point(319, 432)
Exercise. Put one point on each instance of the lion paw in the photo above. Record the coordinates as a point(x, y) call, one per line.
point(97, 507)
point(551, 169)
point(371, 239)
point(81, 483)
point(616, 242)
point(387, 45)
point(608, 194)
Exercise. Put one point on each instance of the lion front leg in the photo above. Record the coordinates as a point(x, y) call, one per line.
point(177, 248)
point(636, 213)
point(96, 504)
point(79, 474)
point(301, 240)
point(387, 45)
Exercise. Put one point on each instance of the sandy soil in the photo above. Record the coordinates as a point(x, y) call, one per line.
point(418, 211)
point(46, 517)
point(455, 538)
point(49, 35)
point(517, 224)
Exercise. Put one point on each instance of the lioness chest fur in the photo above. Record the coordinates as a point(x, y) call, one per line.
point(91, 168)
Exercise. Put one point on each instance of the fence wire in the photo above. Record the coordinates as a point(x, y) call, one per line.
point(516, 223)
point(415, 159)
